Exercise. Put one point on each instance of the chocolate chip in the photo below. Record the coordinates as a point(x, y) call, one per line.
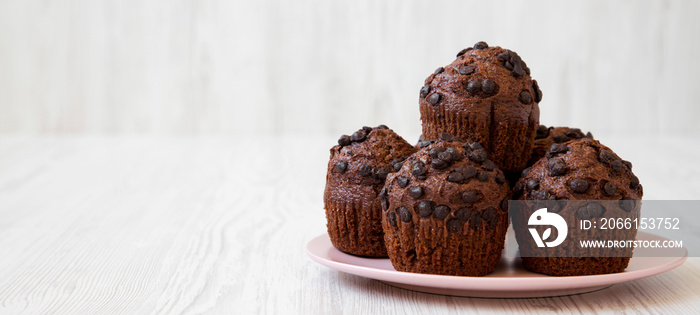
point(402, 181)
point(508, 65)
point(634, 182)
point(447, 156)
point(525, 97)
point(466, 70)
point(384, 199)
point(381, 172)
point(405, 214)
point(382, 127)
point(627, 205)
point(439, 70)
point(556, 206)
point(536, 88)
point(397, 163)
point(500, 179)
point(364, 170)
point(541, 195)
point(424, 91)
point(579, 185)
point(478, 155)
point(415, 192)
point(489, 215)
point(589, 135)
point(463, 51)
point(589, 211)
point(542, 132)
point(575, 134)
point(616, 165)
point(557, 167)
point(518, 70)
point(609, 189)
point(472, 145)
point(560, 138)
point(438, 164)
point(481, 45)
point(488, 87)
point(628, 164)
point(434, 152)
point(445, 136)
point(463, 213)
point(455, 177)
point(469, 196)
point(504, 205)
point(441, 212)
point(344, 140)
point(525, 172)
point(425, 208)
point(502, 56)
point(359, 136)
point(454, 225)
point(340, 167)
point(434, 98)
point(391, 217)
point(367, 129)
point(606, 156)
point(418, 169)
point(532, 184)
point(469, 171)
point(423, 144)
point(482, 176)
point(557, 148)
point(475, 220)
point(474, 86)
point(489, 165)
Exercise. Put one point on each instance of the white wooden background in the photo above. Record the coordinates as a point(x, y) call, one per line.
point(272, 66)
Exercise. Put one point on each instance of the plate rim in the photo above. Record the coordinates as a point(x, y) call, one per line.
point(515, 283)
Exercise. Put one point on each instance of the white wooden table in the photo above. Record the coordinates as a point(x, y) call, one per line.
point(134, 225)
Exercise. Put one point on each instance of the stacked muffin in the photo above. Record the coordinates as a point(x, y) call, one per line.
point(485, 95)
point(590, 176)
point(444, 210)
point(357, 169)
point(441, 207)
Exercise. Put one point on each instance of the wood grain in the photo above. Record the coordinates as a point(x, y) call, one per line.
point(136, 225)
point(231, 67)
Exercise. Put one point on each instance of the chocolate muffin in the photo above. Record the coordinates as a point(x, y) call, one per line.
point(357, 169)
point(546, 136)
point(445, 211)
point(596, 182)
point(486, 95)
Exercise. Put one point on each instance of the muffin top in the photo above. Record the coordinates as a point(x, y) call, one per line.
point(367, 156)
point(480, 73)
point(582, 169)
point(446, 180)
point(546, 136)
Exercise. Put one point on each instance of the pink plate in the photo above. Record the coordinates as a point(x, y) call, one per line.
point(510, 280)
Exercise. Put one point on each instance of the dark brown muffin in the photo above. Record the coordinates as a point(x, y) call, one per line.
point(596, 182)
point(445, 210)
point(485, 95)
point(546, 136)
point(357, 169)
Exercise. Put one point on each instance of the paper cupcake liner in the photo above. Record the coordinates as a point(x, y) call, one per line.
point(355, 227)
point(426, 246)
